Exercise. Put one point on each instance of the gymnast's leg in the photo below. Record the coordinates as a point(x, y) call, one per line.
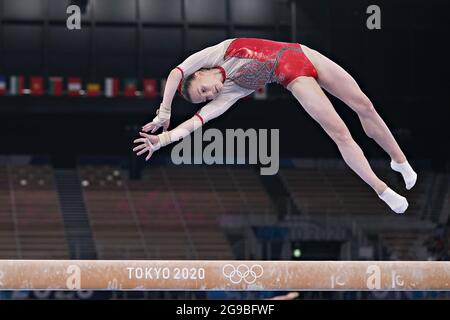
point(339, 83)
point(308, 92)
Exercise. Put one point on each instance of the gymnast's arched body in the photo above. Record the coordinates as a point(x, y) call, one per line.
point(234, 68)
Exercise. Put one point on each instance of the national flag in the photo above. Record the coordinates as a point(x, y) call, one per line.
point(163, 86)
point(73, 86)
point(55, 85)
point(16, 85)
point(37, 86)
point(111, 87)
point(93, 89)
point(130, 87)
point(150, 89)
point(260, 93)
point(2, 85)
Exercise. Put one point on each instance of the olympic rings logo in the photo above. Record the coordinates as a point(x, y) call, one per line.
point(242, 273)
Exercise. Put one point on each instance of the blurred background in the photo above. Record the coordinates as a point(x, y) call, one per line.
point(72, 101)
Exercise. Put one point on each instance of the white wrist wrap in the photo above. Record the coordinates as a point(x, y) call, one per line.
point(163, 113)
point(164, 139)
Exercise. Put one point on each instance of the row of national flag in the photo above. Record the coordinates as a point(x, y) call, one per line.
point(73, 86)
point(112, 87)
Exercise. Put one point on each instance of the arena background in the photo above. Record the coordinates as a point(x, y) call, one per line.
point(70, 186)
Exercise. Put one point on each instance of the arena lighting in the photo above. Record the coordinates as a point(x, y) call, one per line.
point(224, 275)
point(80, 3)
point(297, 253)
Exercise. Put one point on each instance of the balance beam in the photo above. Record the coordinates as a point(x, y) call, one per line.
point(223, 275)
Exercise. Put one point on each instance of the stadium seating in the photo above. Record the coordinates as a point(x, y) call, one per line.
point(337, 192)
point(175, 212)
point(334, 191)
point(171, 213)
point(32, 227)
point(114, 225)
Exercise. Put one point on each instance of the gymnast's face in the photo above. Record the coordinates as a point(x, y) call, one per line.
point(206, 85)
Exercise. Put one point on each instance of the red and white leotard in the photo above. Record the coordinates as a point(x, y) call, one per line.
point(248, 64)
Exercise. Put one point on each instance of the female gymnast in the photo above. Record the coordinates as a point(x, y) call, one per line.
point(234, 68)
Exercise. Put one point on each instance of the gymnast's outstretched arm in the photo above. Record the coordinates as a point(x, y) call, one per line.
point(162, 118)
point(205, 58)
point(213, 109)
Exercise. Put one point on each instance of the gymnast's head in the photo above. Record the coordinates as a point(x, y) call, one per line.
point(202, 85)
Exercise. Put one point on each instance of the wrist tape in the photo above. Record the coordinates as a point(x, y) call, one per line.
point(163, 113)
point(164, 139)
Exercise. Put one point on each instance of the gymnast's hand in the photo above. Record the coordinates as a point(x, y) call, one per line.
point(148, 143)
point(162, 119)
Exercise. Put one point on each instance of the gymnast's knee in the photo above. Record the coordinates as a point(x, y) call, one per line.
point(341, 135)
point(364, 107)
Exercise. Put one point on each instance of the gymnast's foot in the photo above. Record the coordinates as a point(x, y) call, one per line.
point(408, 174)
point(395, 201)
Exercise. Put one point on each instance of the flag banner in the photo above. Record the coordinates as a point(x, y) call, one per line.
point(55, 86)
point(163, 86)
point(260, 93)
point(150, 89)
point(130, 87)
point(74, 86)
point(111, 87)
point(36, 86)
point(2, 85)
point(16, 85)
point(93, 89)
